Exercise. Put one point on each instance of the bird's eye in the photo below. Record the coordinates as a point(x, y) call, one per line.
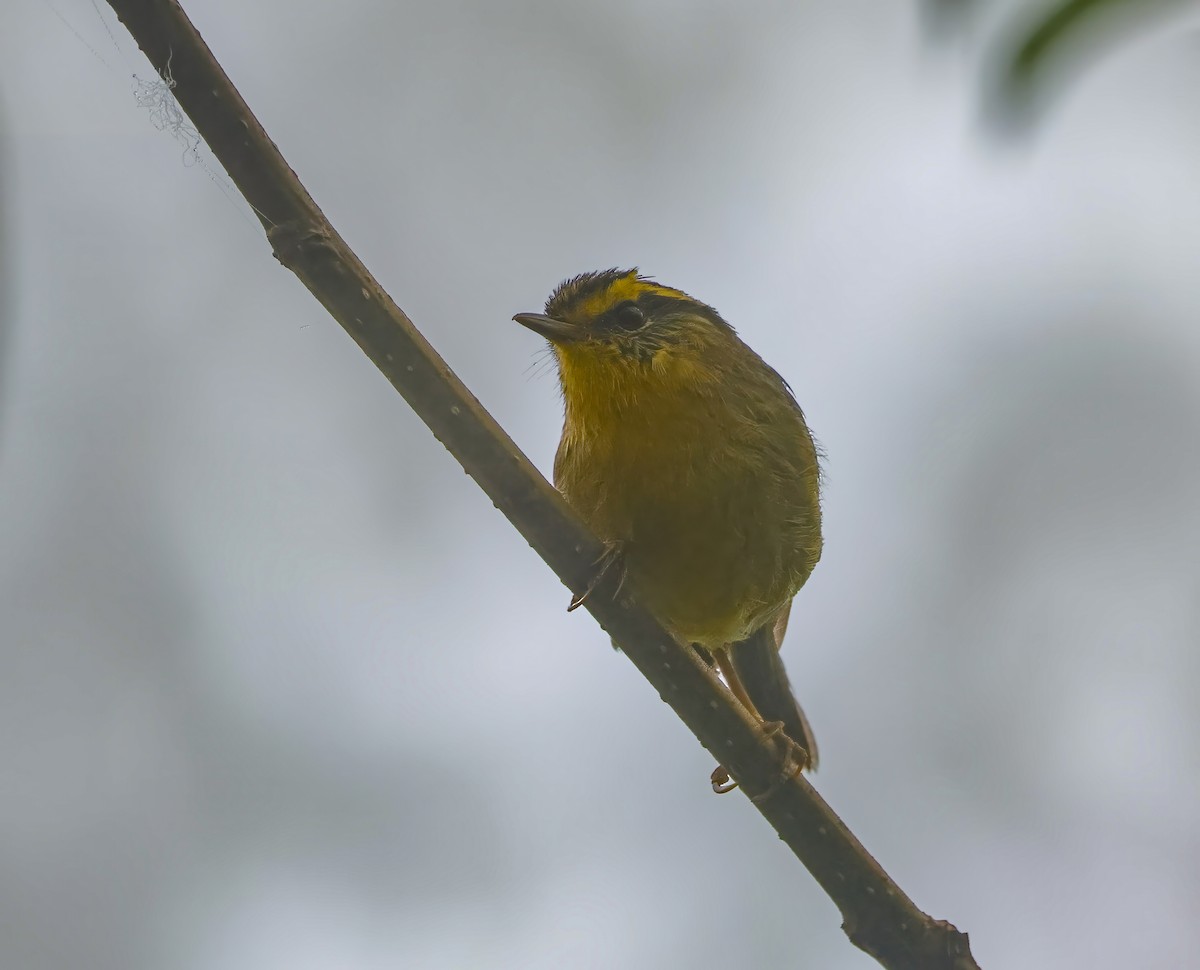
point(628, 316)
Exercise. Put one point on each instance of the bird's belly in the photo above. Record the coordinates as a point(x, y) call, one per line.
point(716, 547)
point(700, 579)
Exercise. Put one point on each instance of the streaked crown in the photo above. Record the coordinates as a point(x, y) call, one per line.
point(621, 301)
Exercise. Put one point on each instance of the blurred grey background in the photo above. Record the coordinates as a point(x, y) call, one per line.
point(280, 689)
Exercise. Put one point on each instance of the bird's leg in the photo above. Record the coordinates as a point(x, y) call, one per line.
point(611, 558)
point(721, 782)
point(796, 757)
point(729, 672)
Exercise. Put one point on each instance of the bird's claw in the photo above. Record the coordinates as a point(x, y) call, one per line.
point(611, 558)
point(722, 784)
point(795, 760)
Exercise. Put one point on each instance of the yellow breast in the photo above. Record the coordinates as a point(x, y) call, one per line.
point(710, 481)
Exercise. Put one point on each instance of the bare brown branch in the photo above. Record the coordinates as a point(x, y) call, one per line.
point(877, 916)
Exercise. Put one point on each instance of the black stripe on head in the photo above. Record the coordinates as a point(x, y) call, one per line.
point(579, 288)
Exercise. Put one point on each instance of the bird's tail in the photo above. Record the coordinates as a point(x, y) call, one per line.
point(759, 667)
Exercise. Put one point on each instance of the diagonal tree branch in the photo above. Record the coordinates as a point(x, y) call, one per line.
point(877, 916)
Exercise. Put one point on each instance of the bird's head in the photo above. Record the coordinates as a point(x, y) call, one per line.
point(618, 332)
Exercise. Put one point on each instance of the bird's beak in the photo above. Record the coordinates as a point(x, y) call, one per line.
point(556, 331)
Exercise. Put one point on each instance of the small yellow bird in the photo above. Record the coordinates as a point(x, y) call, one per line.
point(689, 457)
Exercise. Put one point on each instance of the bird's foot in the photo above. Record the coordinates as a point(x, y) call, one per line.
point(796, 760)
point(611, 558)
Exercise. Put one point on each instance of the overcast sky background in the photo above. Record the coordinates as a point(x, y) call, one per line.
point(280, 689)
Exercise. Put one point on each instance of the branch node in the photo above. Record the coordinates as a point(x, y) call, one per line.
point(293, 242)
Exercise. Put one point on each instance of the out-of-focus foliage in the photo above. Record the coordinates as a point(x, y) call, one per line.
point(1039, 51)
